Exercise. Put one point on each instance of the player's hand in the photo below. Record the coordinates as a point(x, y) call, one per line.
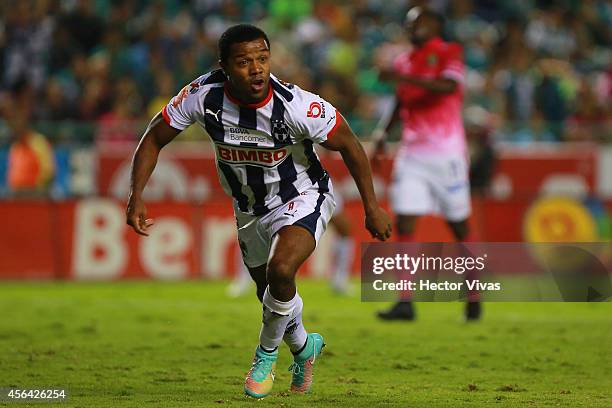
point(378, 223)
point(136, 215)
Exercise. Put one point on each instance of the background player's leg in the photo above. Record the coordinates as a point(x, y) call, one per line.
point(343, 253)
point(405, 227)
point(403, 309)
point(461, 230)
point(453, 192)
point(462, 233)
point(242, 282)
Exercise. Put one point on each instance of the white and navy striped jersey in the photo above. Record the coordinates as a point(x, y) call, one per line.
point(265, 155)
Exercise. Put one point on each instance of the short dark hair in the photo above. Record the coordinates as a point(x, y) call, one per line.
point(426, 13)
point(237, 34)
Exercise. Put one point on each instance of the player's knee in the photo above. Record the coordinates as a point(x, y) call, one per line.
point(280, 271)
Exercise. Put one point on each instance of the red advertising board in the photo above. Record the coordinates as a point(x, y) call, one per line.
point(186, 173)
point(194, 232)
point(88, 239)
point(526, 172)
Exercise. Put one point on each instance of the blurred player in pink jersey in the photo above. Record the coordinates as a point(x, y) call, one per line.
point(430, 173)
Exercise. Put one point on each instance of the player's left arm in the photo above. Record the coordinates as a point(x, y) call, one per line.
point(346, 143)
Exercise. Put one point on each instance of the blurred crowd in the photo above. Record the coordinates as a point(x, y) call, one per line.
point(99, 69)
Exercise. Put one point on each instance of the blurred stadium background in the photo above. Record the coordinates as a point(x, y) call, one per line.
point(81, 78)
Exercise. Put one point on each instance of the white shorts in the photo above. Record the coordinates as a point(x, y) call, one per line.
point(431, 185)
point(312, 209)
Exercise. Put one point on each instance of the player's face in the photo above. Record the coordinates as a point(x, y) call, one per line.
point(248, 70)
point(421, 29)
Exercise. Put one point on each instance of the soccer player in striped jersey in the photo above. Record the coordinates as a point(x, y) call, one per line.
point(264, 130)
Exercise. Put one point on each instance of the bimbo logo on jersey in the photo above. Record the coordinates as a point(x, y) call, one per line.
point(268, 158)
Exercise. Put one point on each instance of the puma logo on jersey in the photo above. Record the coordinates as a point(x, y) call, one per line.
point(213, 113)
point(267, 158)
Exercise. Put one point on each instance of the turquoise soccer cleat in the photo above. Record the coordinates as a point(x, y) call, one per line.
point(260, 378)
point(301, 380)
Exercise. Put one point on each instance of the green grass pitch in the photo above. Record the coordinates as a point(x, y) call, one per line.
point(156, 344)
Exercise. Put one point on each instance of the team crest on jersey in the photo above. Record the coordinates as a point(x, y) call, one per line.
point(280, 130)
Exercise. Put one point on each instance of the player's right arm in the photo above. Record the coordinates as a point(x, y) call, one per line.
point(345, 142)
point(156, 136)
point(177, 115)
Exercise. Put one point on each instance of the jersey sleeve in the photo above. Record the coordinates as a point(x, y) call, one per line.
point(401, 63)
point(180, 111)
point(452, 64)
point(315, 118)
point(406, 93)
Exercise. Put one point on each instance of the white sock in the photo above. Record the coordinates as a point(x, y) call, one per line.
point(276, 315)
point(295, 333)
point(343, 252)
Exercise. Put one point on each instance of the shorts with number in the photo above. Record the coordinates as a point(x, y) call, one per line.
point(312, 210)
point(436, 184)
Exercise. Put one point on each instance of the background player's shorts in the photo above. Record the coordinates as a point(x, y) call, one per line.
point(423, 184)
point(311, 209)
